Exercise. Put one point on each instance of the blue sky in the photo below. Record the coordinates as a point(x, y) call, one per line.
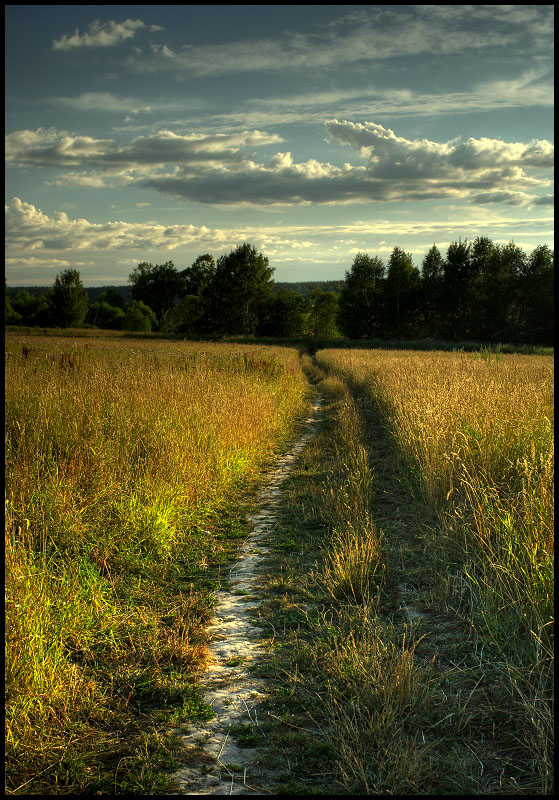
point(154, 133)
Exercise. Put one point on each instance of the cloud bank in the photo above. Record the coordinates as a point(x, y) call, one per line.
point(221, 169)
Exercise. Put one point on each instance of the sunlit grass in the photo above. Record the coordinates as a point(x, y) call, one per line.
point(122, 456)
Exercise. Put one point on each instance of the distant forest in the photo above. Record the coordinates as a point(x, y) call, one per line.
point(479, 291)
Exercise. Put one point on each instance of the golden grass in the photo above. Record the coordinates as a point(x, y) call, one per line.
point(120, 454)
point(478, 433)
point(474, 434)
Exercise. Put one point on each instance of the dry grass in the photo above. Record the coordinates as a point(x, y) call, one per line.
point(475, 433)
point(121, 457)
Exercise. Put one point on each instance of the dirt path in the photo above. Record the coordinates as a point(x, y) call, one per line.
point(217, 764)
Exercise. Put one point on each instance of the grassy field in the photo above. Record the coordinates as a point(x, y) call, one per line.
point(416, 598)
point(409, 590)
point(127, 462)
point(475, 433)
point(472, 435)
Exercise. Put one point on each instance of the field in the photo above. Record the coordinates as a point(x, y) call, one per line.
point(124, 460)
point(442, 542)
point(409, 590)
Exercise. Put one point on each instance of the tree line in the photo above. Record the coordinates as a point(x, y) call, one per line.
point(479, 291)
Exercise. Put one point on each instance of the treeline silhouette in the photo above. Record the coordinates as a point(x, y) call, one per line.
point(478, 291)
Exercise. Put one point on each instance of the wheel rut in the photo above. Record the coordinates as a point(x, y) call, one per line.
point(216, 761)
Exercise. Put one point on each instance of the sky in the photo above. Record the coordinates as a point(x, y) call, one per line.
point(160, 133)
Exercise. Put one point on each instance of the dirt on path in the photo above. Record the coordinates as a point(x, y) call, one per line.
point(217, 763)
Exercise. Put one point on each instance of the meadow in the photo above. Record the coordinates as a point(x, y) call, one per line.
point(409, 589)
point(461, 530)
point(127, 466)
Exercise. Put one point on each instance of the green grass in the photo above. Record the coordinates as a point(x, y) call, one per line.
point(386, 663)
point(128, 469)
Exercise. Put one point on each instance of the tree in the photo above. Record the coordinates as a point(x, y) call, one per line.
point(185, 317)
point(236, 296)
point(138, 317)
point(103, 315)
point(457, 290)
point(360, 302)
point(536, 289)
point(199, 276)
point(69, 300)
point(283, 314)
point(23, 304)
point(432, 274)
point(323, 314)
point(498, 305)
point(160, 286)
point(113, 297)
point(401, 295)
point(11, 316)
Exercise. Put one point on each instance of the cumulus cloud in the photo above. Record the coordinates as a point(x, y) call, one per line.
point(395, 168)
point(483, 164)
point(37, 240)
point(31, 230)
point(52, 148)
point(219, 169)
point(102, 34)
point(385, 150)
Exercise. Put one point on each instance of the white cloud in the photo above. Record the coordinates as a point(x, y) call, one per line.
point(102, 34)
point(37, 243)
point(52, 148)
point(28, 228)
point(384, 149)
point(372, 34)
point(46, 263)
point(217, 168)
point(395, 169)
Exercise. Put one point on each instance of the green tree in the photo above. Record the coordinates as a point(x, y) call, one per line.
point(199, 276)
point(458, 295)
point(401, 302)
point(323, 314)
point(360, 301)
point(238, 291)
point(500, 302)
point(536, 290)
point(103, 315)
point(11, 316)
point(24, 305)
point(138, 317)
point(69, 300)
point(283, 314)
point(479, 316)
point(432, 274)
point(113, 297)
point(160, 286)
point(185, 317)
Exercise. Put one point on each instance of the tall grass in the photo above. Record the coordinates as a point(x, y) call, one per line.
point(475, 433)
point(121, 457)
point(356, 671)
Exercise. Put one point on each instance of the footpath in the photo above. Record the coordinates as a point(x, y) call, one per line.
point(216, 760)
